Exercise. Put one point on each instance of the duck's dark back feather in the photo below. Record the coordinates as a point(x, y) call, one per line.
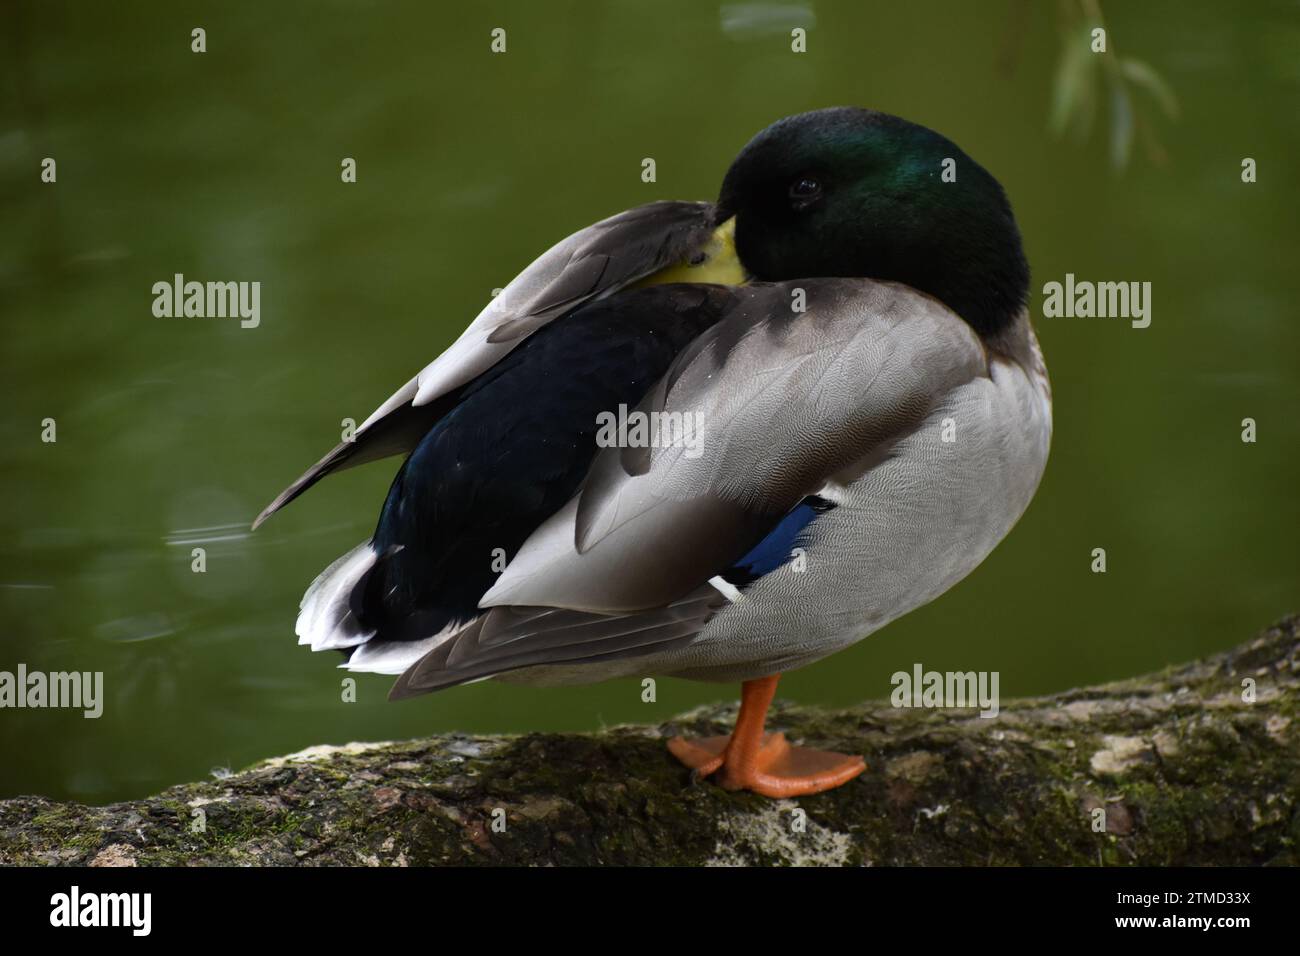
point(514, 449)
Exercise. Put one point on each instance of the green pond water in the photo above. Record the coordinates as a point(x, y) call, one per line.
point(173, 433)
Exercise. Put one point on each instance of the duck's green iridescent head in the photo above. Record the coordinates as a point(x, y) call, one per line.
point(854, 192)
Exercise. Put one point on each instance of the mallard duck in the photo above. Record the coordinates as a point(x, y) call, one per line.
point(862, 412)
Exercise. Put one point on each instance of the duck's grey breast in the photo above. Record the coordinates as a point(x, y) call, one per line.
point(915, 521)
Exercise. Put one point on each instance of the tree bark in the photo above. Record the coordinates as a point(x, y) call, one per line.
point(1187, 768)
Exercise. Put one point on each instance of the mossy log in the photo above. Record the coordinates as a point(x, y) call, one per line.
point(1187, 768)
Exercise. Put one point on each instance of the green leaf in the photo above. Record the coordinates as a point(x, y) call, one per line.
point(1142, 74)
point(1074, 91)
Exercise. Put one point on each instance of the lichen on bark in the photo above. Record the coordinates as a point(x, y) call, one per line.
point(1185, 767)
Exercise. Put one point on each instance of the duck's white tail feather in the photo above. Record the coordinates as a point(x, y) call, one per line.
point(393, 657)
point(326, 620)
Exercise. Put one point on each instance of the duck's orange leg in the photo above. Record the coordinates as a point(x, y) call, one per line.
point(765, 763)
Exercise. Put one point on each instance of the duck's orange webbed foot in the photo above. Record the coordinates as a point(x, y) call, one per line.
point(764, 763)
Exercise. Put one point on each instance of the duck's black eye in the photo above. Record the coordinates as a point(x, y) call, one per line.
point(804, 191)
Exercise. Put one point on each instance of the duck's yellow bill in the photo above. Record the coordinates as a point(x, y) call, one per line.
point(716, 263)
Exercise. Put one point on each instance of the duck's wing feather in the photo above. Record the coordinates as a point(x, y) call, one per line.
point(510, 638)
point(789, 403)
point(588, 265)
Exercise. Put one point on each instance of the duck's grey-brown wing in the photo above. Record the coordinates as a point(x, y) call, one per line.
point(588, 265)
point(787, 401)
